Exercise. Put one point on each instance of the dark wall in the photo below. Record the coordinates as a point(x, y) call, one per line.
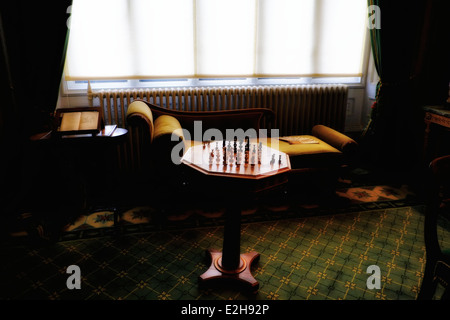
point(414, 40)
point(433, 60)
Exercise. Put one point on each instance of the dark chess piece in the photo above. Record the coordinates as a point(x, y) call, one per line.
point(272, 161)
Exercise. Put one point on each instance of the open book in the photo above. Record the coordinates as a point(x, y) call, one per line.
point(76, 121)
point(79, 120)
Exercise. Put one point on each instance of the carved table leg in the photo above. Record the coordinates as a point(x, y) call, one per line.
point(230, 264)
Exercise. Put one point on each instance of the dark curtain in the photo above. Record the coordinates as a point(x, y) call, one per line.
point(33, 40)
point(32, 52)
point(402, 59)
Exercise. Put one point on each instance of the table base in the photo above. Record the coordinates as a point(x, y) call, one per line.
point(241, 274)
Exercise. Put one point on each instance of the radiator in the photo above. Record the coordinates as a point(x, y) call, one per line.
point(297, 108)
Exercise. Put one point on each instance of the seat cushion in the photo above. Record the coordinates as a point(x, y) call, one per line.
point(308, 155)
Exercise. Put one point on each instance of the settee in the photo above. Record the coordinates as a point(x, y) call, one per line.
point(160, 137)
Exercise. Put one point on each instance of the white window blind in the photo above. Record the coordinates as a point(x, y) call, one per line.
point(145, 39)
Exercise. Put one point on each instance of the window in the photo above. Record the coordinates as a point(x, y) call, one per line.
point(183, 41)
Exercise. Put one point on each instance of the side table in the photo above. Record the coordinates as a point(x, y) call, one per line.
point(437, 121)
point(93, 161)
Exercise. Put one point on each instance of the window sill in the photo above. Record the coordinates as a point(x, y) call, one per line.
point(80, 88)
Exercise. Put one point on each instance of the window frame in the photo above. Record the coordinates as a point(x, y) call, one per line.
point(80, 88)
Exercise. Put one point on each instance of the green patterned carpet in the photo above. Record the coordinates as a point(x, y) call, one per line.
point(147, 218)
point(310, 258)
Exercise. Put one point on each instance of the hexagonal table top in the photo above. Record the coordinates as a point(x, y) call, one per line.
point(237, 159)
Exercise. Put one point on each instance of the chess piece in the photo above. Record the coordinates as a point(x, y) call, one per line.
point(224, 156)
point(259, 153)
point(217, 156)
point(279, 159)
point(272, 161)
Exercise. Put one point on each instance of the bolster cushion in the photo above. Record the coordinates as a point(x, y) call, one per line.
point(167, 125)
point(334, 138)
point(168, 138)
point(138, 111)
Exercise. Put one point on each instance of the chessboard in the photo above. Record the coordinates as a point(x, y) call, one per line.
point(239, 159)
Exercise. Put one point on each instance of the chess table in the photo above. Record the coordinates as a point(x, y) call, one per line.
point(239, 169)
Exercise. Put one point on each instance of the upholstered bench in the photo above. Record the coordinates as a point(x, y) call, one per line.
point(158, 125)
point(330, 149)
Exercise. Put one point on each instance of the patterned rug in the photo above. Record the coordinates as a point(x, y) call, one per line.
point(147, 218)
point(366, 194)
point(310, 258)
